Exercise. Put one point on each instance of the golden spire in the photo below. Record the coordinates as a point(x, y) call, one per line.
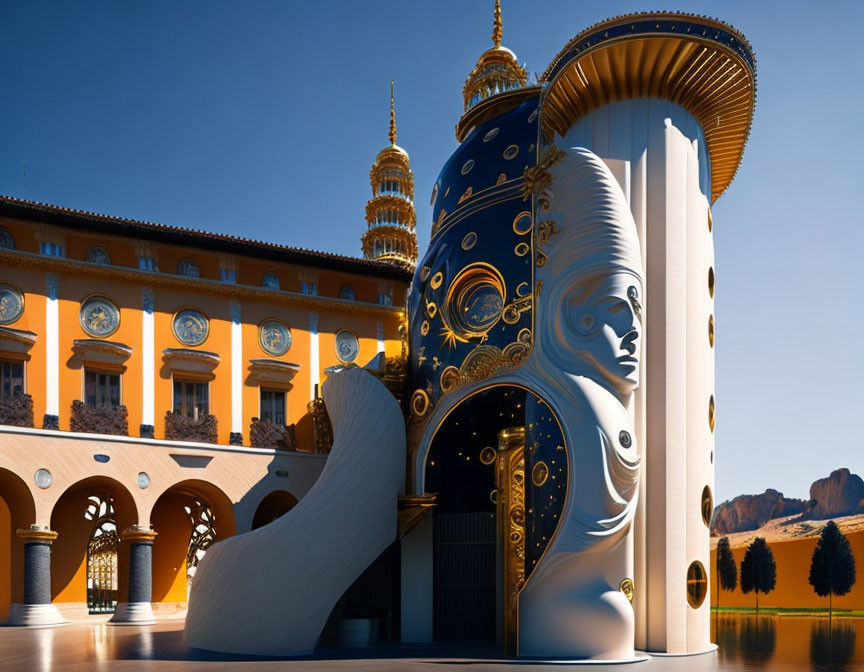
point(496, 30)
point(392, 116)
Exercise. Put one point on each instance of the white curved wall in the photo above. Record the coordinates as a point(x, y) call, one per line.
point(270, 591)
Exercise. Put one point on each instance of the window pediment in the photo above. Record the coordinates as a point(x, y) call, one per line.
point(16, 340)
point(272, 371)
point(185, 360)
point(99, 351)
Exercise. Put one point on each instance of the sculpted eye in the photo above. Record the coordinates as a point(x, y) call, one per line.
point(586, 322)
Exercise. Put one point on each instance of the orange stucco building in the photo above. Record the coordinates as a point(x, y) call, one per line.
point(158, 392)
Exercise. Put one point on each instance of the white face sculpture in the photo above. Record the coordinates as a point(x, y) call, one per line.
point(603, 316)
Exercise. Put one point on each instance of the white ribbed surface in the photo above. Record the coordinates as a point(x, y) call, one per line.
point(270, 591)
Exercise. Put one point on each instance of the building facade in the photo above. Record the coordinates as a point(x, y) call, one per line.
point(124, 341)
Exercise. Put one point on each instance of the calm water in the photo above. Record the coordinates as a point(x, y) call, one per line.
point(750, 642)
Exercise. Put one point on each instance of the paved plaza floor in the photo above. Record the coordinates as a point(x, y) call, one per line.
point(98, 646)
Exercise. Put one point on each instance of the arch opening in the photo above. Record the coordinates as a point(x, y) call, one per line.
point(17, 511)
point(189, 517)
point(274, 505)
point(89, 565)
point(498, 465)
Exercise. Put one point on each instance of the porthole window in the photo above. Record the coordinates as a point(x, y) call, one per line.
point(98, 254)
point(707, 506)
point(711, 330)
point(188, 268)
point(6, 240)
point(711, 412)
point(711, 281)
point(697, 584)
point(270, 280)
point(710, 221)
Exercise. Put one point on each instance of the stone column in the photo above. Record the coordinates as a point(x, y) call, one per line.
point(138, 610)
point(36, 609)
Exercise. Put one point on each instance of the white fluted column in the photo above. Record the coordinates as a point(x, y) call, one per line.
point(236, 438)
point(380, 337)
point(148, 370)
point(51, 420)
point(314, 363)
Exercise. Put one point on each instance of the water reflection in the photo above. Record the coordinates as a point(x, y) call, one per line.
point(831, 645)
point(780, 643)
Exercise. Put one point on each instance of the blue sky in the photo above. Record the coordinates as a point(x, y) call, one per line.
point(262, 118)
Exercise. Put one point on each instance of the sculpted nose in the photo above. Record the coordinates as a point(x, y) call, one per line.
point(628, 343)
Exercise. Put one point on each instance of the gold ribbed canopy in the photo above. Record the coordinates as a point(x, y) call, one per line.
point(701, 64)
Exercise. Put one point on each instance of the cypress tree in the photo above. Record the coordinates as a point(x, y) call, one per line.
point(758, 569)
point(726, 570)
point(832, 569)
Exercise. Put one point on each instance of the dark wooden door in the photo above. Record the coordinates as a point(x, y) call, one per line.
point(465, 588)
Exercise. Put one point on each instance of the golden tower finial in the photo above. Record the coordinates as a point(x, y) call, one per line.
point(496, 30)
point(392, 116)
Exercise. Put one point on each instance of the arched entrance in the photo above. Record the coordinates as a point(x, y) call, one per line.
point(273, 506)
point(188, 518)
point(17, 511)
point(498, 465)
point(102, 551)
point(89, 565)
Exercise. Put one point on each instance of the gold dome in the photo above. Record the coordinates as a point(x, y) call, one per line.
point(497, 70)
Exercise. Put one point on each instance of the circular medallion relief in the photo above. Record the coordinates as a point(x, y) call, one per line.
point(539, 473)
point(627, 588)
point(475, 300)
point(43, 478)
point(274, 337)
point(467, 166)
point(490, 134)
point(707, 506)
point(99, 316)
point(190, 326)
point(488, 455)
point(11, 303)
point(347, 345)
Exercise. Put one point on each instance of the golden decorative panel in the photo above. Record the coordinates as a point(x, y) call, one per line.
point(627, 588)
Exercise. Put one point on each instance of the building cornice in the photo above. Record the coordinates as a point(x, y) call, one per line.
point(187, 285)
point(160, 233)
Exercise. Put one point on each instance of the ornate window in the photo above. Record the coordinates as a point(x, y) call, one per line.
point(188, 268)
point(11, 378)
point(203, 536)
point(228, 275)
point(346, 292)
point(308, 288)
point(98, 254)
point(273, 406)
point(191, 398)
point(101, 389)
point(52, 249)
point(148, 263)
point(270, 280)
point(6, 240)
point(102, 555)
